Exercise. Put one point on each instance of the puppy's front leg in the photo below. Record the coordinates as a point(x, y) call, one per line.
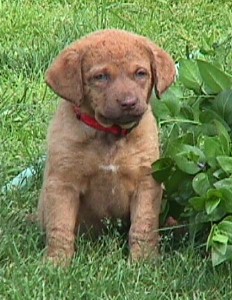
point(145, 209)
point(59, 206)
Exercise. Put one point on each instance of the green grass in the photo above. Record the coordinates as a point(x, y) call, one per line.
point(31, 34)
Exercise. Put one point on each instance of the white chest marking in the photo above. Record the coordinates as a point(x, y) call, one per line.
point(109, 168)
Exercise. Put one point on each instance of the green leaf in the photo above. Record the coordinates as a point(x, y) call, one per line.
point(220, 238)
point(172, 100)
point(187, 112)
point(162, 168)
point(224, 183)
point(213, 193)
point(218, 257)
point(219, 174)
point(223, 136)
point(222, 105)
point(211, 205)
point(212, 148)
point(169, 106)
point(214, 78)
point(173, 106)
point(225, 163)
point(227, 198)
point(174, 92)
point(228, 219)
point(185, 164)
point(189, 158)
point(189, 75)
point(208, 116)
point(160, 110)
point(198, 203)
point(174, 182)
point(213, 209)
point(225, 227)
point(170, 136)
point(176, 140)
point(201, 183)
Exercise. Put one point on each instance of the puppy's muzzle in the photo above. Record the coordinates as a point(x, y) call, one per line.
point(128, 103)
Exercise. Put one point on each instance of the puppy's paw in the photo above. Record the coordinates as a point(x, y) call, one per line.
point(143, 251)
point(58, 258)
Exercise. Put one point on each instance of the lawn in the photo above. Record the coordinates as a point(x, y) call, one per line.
point(32, 33)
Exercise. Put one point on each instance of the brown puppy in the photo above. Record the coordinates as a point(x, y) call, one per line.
point(103, 141)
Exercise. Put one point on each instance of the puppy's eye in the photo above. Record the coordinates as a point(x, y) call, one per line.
point(141, 74)
point(101, 77)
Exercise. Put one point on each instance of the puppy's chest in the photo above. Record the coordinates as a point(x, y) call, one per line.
point(115, 171)
point(115, 175)
point(112, 161)
point(111, 188)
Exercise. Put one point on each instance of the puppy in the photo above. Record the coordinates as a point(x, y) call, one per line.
point(103, 140)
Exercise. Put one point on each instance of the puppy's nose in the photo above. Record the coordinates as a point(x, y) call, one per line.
point(129, 102)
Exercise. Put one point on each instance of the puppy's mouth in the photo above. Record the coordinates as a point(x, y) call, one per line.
point(125, 122)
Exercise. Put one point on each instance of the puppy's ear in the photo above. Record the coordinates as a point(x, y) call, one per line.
point(64, 76)
point(163, 68)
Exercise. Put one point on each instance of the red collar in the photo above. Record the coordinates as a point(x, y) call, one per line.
point(92, 122)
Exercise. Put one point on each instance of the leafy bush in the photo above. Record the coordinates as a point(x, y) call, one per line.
point(196, 166)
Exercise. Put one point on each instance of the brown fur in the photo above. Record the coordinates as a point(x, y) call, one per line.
point(91, 175)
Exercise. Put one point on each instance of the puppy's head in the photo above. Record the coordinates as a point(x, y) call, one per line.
point(111, 74)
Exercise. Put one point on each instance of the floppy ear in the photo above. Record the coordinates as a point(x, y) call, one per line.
point(64, 76)
point(163, 68)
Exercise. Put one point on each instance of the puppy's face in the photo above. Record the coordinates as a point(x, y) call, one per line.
point(111, 75)
point(117, 82)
